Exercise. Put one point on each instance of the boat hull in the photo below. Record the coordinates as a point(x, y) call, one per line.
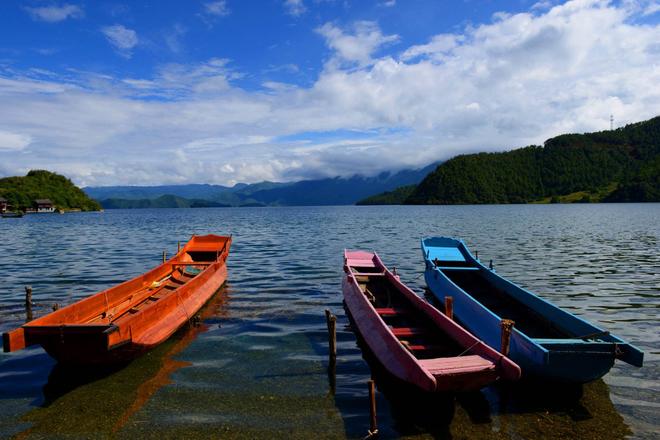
point(85, 332)
point(570, 359)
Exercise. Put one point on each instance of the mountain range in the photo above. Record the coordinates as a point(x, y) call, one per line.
point(328, 191)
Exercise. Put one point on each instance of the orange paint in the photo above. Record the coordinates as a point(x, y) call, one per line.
point(126, 320)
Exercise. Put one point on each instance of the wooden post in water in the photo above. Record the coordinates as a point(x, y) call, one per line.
point(449, 307)
point(373, 423)
point(332, 333)
point(56, 307)
point(164, 256)
point(28, 303)
point(178, 247)
point(331, 320)
point(506, 326)
point(490, 265)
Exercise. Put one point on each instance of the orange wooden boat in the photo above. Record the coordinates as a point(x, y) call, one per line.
point(126, 320)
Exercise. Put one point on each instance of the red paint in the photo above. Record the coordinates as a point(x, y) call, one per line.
point(385, 329)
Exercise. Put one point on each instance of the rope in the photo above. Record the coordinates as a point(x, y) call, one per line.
point(470, 348)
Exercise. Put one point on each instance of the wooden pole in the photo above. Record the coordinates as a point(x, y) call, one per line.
point(449, 307)
point(506, 326)
point(56, 307)
point(331, 320)
point(332, 333)
point(178, 247)
point(373, 423)
point(164, 256)
point(490, 265)
point(28, 303)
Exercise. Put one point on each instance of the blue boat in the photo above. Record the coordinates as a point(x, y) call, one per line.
point(547, 342)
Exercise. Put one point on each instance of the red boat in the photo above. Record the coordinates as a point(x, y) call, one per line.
point(124, 321)
point(410, 338)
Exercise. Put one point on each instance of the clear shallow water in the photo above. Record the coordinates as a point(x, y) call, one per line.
point(256, 366)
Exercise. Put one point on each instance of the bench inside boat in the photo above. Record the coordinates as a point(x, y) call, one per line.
point(413, 329)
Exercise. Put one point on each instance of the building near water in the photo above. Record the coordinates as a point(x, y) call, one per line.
point(44, 205)
point(3, 204)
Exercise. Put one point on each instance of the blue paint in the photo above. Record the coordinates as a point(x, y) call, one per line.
point(570, 359)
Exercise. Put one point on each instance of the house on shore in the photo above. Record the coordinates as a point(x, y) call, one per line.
point(3, 205)
point(44, 205)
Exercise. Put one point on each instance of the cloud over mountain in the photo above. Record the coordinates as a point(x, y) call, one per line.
point(377, 103)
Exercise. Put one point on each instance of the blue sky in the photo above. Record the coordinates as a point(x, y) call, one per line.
point(242, 91)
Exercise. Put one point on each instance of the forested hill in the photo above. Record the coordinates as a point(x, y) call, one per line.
point(21, 192)
point(616, 165)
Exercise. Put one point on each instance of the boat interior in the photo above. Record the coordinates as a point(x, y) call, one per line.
point(191, 264)
point(502, 304)
point(414, 330)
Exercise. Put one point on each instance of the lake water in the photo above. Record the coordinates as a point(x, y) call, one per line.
point(256, 367)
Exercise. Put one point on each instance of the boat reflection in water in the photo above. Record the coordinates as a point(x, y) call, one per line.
point(84, 402)
point(505, 410)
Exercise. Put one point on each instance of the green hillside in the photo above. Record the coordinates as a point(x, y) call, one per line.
point(21, 192)
point(396, 197)
point(616, 165)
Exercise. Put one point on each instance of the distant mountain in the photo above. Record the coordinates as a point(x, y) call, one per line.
point(621, 165)
point(338, 191)
point(194, 191)
point(330, 191)
point(166, 201)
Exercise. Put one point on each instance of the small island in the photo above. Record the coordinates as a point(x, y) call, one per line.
point(42, 191)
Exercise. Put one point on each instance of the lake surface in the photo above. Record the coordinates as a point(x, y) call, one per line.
point(256, 366)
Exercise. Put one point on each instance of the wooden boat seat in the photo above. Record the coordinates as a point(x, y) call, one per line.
point(457, 365)
point(402, 332)
point(390, 311)
point(422, 347)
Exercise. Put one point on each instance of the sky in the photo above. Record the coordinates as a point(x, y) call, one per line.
point(227, 91)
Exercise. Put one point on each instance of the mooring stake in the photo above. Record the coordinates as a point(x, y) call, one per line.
point(28, 303)
point(332, 333)
point(449, 307)
point(178, 247)
point(506, 326)
point(56, 307)
point(373, 423)
point(164, 256)
point(331, 320)
point(490, 265)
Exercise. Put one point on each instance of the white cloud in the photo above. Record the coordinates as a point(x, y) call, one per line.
point(388, 3)
point(357, 46)
point(173, 38)
point(13, 141)
point(217, 8)
point(122, 38)
point(517, 80)
point(54, 14)
point(295, 7)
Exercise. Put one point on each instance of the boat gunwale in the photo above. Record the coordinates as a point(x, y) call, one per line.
point(153, 272)
point(504, 367)
point(388, 276)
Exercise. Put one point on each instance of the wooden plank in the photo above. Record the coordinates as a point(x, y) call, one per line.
point(402, 332)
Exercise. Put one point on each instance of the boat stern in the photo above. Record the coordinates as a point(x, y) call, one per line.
point(13, 340)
